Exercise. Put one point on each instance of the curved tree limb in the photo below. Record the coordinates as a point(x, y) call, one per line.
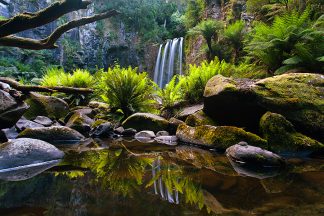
point(26, 88)
point(49, 42)
point(24, 21)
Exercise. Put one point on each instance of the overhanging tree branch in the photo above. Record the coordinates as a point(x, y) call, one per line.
point(49, 42)
point(24, 21)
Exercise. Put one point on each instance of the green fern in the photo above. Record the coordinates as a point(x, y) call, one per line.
point(126, 89)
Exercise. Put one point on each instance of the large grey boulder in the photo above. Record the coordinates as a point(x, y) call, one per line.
point(11, 110)
point(54, 134)
point(22, 152)
point(254, 161)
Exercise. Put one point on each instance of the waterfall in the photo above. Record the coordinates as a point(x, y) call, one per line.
point(168, 61)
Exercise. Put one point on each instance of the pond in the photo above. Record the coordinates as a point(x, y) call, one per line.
point(131, 178)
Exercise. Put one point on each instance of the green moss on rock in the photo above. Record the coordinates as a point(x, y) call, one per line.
point(49, 106)
point(52, 134)
point(146, 121)
point(199, 118)
point(220, 137)
point(282, 136)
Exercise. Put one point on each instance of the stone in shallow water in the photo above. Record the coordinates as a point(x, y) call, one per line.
point(104, 130)
point(253, 161)
point(145, 136)
point(53, 134)
point(43, 120)
point(168, 140)
point(162, 133)
point(24, 151)
point(23, 124)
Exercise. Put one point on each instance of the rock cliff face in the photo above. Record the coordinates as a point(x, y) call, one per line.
point(97, 44)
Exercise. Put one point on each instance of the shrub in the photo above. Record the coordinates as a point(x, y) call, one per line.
point(126, 89)
point(193, 84)
point(292, 41)
point(171, 93)
point(78, 79)
point(209, 29)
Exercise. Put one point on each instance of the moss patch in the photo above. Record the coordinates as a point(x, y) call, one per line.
point(199, 118)
point(220, 137)
point(282, 136)
point(146, 121)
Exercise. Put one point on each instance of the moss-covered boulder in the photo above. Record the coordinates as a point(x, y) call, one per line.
point(81, 123)
point(11, 110)
point(146, 121)
point(199, 118)
point(282, 136)
point(220, 137)
point(242, 102)
point(41, 105)
point(54, 134)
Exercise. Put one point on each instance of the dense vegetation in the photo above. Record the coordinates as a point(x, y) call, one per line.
point(279, 36)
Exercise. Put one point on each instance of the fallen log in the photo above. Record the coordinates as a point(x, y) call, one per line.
point(34, 88)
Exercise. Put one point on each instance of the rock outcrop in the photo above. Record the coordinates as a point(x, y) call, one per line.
point(282, 136)
point(242, 102)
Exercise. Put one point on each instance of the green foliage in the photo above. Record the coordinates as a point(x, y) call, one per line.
point(53, 77)
point(234, 35)
point(171, 93)
point(209, 29)
point(194, 12)
point(193, 84)
point(78, 79)
point(126, 89)
point(292, 41)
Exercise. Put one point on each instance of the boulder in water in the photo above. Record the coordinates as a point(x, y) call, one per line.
point(167, 140)
point(104, 130)
point(129, 132)
point(145, 136)
point(254, 161)
point(80, 123)
point(282, 136)
point(220, 137)
point(54, 134)
point(146, 121)
point(24, 151)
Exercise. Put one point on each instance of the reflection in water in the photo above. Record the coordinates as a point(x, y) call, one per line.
point(181, 181)
point(169, 194)
point(26, 172)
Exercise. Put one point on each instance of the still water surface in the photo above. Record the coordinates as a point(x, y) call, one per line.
point(129, 178)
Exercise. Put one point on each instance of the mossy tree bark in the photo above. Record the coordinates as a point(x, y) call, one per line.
point(25, 21)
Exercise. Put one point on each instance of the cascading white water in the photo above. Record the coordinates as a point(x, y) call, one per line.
point(168, 61)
